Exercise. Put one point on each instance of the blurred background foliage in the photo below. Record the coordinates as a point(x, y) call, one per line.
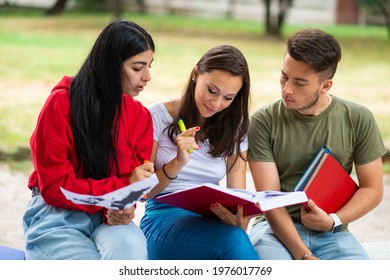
point(36, 50)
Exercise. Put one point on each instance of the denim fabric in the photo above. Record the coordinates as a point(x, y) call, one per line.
point(325, 245)
point(174, 233)
point(59, 234)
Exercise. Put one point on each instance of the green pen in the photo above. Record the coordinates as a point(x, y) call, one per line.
point(182, 128)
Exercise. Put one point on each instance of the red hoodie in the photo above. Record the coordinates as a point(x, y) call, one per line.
point(54, 154)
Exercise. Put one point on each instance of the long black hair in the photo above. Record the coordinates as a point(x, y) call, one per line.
point(96, 95)
point(226, 129)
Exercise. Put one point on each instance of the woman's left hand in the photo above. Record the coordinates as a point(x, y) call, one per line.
point(120, 217)
point(229, 218)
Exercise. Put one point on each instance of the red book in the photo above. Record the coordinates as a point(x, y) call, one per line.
point(327, 183)
point(198, 199)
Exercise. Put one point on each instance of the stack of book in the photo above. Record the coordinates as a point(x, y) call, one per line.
point(326, 182)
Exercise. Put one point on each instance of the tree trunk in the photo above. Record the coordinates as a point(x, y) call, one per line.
point(274, 23)
point(267, 4)
point(117, 8)
point(141, 6)
point(386, 13)
point(57, 8)
point(284, 5)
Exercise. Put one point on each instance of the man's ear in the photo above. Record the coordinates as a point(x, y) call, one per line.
point(327, 85)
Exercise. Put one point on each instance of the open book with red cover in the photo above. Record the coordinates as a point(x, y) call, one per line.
point(198, 199)
point(326, 182)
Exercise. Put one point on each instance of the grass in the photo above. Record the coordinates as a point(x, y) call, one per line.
point(37, 51)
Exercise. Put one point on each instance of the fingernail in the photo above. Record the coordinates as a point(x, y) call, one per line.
point(197, 128)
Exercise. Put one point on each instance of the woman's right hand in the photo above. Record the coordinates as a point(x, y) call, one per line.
point(185, 142)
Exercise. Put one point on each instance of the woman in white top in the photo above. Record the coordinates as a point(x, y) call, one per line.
point(214, 107)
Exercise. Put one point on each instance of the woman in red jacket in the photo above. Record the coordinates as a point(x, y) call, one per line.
point(92, 138)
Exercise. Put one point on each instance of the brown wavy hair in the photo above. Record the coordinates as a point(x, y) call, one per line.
point(228, 128)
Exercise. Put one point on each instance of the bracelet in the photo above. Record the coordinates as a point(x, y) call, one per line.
point(306, 256)
point(165, 173)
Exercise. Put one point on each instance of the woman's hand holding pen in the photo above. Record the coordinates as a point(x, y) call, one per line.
point(186, 143)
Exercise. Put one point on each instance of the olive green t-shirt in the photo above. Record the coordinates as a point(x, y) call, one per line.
point(292, 140)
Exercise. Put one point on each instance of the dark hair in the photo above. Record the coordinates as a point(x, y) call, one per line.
point(96, 95)
point(316, 48)
point(226, 129)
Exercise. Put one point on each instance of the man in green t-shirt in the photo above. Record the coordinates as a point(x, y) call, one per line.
point(285, 136)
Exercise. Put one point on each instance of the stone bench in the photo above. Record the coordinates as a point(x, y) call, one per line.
point(377, 250)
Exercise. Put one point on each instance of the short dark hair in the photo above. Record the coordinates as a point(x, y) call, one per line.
point(316, 48)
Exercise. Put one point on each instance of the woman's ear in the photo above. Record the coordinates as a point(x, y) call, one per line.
point(194, 74)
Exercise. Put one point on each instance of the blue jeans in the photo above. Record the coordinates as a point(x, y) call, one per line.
point(174, 233)
point(324, 245)
point(53, 233)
